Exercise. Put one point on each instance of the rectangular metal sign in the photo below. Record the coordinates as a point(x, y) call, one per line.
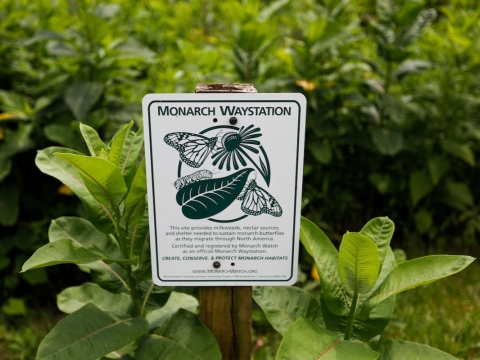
point(224, 175)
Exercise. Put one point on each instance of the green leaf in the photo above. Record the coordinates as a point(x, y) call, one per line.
point(411, 67)
point(358, 263)
point(61, 252)
point(321, 153)
point(94, 143)
point(381, 181)
point(183, 336)
point(385, 10)
point(130, 151)
point(175, 302)
point(68, 174)
point(5, 166)
point(459, 195)
point(380, 230)
point(410, 34)
point(437, 167)
point(111, 277)
point(64, 134)
point(306, 340)
point(461, 151)
point(117, 144)
point(370, 326)
point(284, 305)
point(420, 186)
point(14, 307)
point(135, 202)
point(82, 233)
point(9, 209)
point(388, 142)
point(75, 297)
point(102, 178)
point(404, 350)
point(82, 96)
point(138, 236)
point(154, 297)
point(363, 329)
point(36, 277)
point(206, 198)
point(416, 272)
point(90, 333)
point(423, 220)
point(326, 259)
point(394, 107)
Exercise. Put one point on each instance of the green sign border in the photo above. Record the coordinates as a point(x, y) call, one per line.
point(153, 185)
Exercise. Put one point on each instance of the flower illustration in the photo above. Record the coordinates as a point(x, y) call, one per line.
point(235, 146)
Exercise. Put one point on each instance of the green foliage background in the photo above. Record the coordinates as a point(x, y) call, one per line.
point(392, 86)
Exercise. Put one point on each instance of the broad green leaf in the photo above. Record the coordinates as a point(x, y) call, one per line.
point(284, 305)
point(154, 297)
point(321, 153)
point(385, 10)
point(61, 252)
point(135, 202)
point(138, 236)
point(82, 96)
point(68, 174)
point(15, 104)
point(305, 340)
point(117, 144)
point(14, 307)
point(130, 151)
point(326, 259)
point(183, 336)
point(416, 272)
point(94, 143)
point(380, 230)
point(420, 186)
point(90, 333)
point(411, 67)
point(366, 328)
point(36, 277)
point(358, 263)
point(75, 297)
point(459, 195)
point(404, 350)
point(424, 19)
point(111, 277)
point(5, 166)
point(423, 220)
point(437, 167)
point(175, 302)
point(82, 233)
point(394, 107)
point(388, 142)
point(65, 135)
point(461, 151)
point(9, 209)
point(102, 178)
point(363, 329)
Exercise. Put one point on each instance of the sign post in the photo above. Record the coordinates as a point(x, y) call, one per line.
point(224, 177)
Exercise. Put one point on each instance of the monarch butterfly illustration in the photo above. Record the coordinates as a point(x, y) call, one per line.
point(257, 201)
point(192, 148)
point(188, 179)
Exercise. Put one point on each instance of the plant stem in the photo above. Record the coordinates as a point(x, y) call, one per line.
point(351, 316)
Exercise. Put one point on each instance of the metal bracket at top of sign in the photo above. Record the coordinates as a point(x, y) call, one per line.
point(225, 88)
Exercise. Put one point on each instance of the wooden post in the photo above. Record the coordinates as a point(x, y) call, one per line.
point(227, 311)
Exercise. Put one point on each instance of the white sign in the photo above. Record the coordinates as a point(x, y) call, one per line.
point(224, 175)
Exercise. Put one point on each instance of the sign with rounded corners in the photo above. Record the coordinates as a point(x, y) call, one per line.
point(224, 176)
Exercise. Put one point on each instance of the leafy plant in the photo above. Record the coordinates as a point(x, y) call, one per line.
point(123, 310)
point(358, 288)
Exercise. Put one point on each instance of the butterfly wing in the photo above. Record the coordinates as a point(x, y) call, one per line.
point(192, 148)
point(257, 201)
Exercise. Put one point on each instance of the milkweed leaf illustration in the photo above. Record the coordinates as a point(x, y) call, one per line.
point(206, 198)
